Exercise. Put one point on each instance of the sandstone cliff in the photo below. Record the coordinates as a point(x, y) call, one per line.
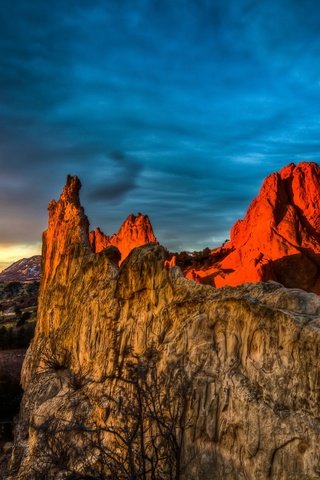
point(134, 232)
point(278, 239)
point(252, 352)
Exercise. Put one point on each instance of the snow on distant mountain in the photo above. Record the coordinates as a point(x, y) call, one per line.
point(24, 270)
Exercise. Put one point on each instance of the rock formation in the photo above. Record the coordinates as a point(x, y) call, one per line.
point(278, 239)
point(249, 354)
point(134, 232)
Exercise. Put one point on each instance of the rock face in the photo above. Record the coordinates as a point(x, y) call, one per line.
point(252, 410)
point(278, 239)
point(134, 232)
point(24, 270)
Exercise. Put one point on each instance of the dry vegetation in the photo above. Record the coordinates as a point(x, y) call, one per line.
point(18, 310)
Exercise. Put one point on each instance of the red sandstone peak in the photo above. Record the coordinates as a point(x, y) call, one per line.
point(68, 233)
point(279, 237)
point(134, 232)
point(288, 207)
point(68, 229)
point(71, 190)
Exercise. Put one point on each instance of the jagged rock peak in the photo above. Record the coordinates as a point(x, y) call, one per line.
point(288, 205)
point(68, 229)
point(141, 224)
point(135, 231)
point(279, 237)
point(71, 190)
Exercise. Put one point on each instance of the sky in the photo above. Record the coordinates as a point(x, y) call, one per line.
point(174, 108)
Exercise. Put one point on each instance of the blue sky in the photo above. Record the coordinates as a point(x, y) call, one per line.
point(177, 109)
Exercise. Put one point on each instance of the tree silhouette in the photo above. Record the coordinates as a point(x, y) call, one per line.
point(142, 435)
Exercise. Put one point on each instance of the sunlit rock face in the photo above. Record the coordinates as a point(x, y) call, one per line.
point(67, 233)
point(278, 239)
point(134, 232)
point(254, 408)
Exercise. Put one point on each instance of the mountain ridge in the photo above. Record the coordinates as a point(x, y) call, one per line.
point(23, 270)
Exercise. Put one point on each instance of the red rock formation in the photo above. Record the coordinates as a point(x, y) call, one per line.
point(279, 237)
point(68, 228)
point(134, 232)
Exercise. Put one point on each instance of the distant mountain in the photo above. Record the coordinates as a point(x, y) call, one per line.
point(24, 270)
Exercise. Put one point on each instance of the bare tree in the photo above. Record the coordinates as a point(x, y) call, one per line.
point(142, 437)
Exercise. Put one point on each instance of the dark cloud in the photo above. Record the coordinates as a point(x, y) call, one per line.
point(203, 98)
point(116, 179)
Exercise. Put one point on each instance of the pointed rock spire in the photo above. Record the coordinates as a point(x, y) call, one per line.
point(68, 229)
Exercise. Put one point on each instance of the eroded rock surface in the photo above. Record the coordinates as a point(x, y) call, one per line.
point(254, 408)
